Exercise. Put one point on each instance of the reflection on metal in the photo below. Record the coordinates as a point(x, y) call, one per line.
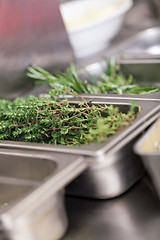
point(143, 45)
point(31, 31)
point(135, 215)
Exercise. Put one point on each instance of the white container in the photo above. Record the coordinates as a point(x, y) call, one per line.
point(91, 24)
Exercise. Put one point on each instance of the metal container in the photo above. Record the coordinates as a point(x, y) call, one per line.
point(148, 147)
point(112, 165)
point(145, 72)
point(139, 56)
point(143, 45)
point(32, 200)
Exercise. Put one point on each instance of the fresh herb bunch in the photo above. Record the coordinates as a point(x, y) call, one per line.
point(112, 81)
point(46, 120)
point(62, 80)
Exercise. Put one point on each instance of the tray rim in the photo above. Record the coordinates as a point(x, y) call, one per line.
point(68, 167)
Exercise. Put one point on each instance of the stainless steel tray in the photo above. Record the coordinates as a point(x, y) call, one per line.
point(112, 165)
point(143, 45)
point(145, 71)
point(32, 193)
point(148, 147)
point(139, 55)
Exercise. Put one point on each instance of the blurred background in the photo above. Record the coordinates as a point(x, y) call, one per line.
point(142, 15)
point(35, 32)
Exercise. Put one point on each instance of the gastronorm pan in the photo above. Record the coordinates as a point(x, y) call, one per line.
point(112, 165)
point(145, 44)
point(139, 56)
point(32, 193)
point(145, 72)
point(148, 147)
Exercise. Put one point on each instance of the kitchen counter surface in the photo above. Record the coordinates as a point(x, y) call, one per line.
point(132, 216)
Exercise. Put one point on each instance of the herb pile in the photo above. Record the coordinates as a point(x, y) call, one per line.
point(49, 120)
point(112, 81)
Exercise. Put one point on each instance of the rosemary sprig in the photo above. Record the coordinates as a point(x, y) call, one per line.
point(68, 80)
point(111, 81)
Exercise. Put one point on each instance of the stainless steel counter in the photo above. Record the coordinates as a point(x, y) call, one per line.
point(132, 216)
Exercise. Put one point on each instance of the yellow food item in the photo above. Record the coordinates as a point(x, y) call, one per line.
point(91, 14)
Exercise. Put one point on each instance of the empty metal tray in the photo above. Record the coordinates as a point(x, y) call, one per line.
point(143, 45)
point(148, 147)
point(113, 167)
point(32, 191)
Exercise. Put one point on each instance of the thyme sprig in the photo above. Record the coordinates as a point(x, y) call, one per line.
point(46, 120)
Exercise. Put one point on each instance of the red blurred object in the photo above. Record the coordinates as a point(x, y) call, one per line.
point(31, 31)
